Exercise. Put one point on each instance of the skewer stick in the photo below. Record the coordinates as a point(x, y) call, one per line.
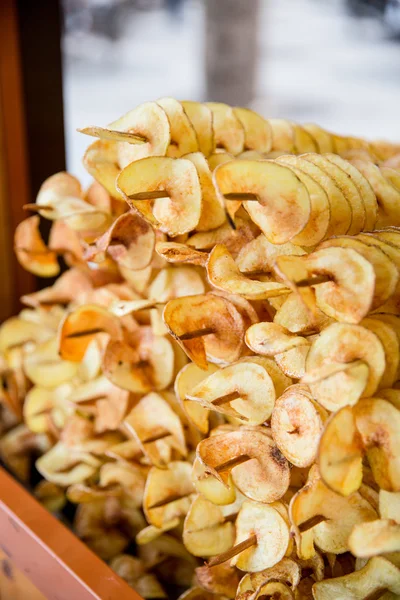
point(244, 196)
point(79, 334)
point(237, 549)
point(168, 500)
point(190, 335)
point(156, 437)
point(36, 207)
point(233, 462)
point(315, 280)
point(225, 399)
point(149, 195)
point(312, 522)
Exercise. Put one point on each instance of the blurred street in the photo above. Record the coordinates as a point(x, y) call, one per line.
point(315, 63)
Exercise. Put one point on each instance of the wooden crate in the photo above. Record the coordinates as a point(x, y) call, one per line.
point(40, 559)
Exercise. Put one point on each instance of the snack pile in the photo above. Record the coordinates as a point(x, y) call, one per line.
point(216, 375)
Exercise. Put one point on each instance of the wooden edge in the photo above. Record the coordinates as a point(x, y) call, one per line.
point(50, 555)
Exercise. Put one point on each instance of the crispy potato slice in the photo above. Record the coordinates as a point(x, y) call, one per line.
point(65, 465)
point(167, 493)
point(31, 251)
point(282, 135)
point(80, 327)
point(175, 282)
point(229, 133)
point(296, 424)
point(224, 274)
point(295, 317)
point(144, 365)
point(340, 453)
point(243, 390)
point(344, 344)
point(378, 423)
point(188, 378)
point(101, 161)
point(390, 343)
point(211, 488)
point(271, 532)
point(44, 367)
point(340, 209)
point(129, 241)
point(375, 537)
point(258, 255)
point(201, 119)
point(335, 297)
point(212, 206)
point(181, 253)
point(205, 532)
point(197, 593)
point(50, 495)
point(179, 210)
point(16, 331)
point(386, 273)
point(264, 474)
point(221, 579)
point(320, 211)
point(321, 136)
point(286, 570)
point(304, 141)
point(281, 205)
point(269, 339)
point(183, 135)
point(257, 131)
point(218, 158)
point(347, 187)
point(216, 322)
point(66, 289)
point(389, 505)
point(387, 195)
point(157, 428)
point(363, 186)
point(132, 570)
point(372, 581)
point(331, 517)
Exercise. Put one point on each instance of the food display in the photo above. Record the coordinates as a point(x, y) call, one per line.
point(211, 387)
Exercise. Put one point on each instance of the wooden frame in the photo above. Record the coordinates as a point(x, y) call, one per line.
point(50, 556)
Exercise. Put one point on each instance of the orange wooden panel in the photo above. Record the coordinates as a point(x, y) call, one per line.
point(54, 560)
point(14, 585)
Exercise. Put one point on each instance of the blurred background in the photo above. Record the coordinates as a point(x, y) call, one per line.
point(334, 62)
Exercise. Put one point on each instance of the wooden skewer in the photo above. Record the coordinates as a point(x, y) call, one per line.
point(79, 334)
point(315, 280)
point(233, 462)
point(107, 134)
point(237, 549)
point(168, 500)
point(36, 207)
point(311, 523)
point(377, 594)
point(156, 437)
point(244, 196)
point(190, 335)
point(225, 399)
point(149, 195)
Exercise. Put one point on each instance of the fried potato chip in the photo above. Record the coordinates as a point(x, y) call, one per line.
point(379, 579)
point(212, 206)
point(341, 345)
point(17, 332)
point(258, 255)
point(222, 579)
point(44, 367)
point(224, 274)
point(157, 428)
point(340, 453)
point(322, 137)
point(174, 186)
point(257, 131)
point(270, 339)
point(243, 390)
point(279, 204)
point(187, 379)
point(168, 493)
point(378, 423)
point(129, 241)
point(229, 133)
point(205, 532)
point(180, 253)
point(31, 251)
point(375, 537)
point(183, 135)
point(50, 495)
point(201, 119)
point(286, 570)
point(390, 343)
point(259, 470)
point(132, 570)
point(296, 425)
point(282, 135)
point(101, 161)
point(207, 327)
point(175, 282)
point(271, 534)
point(65, 465)
point(81, 326)
point(389, 505)
point(211, 488)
